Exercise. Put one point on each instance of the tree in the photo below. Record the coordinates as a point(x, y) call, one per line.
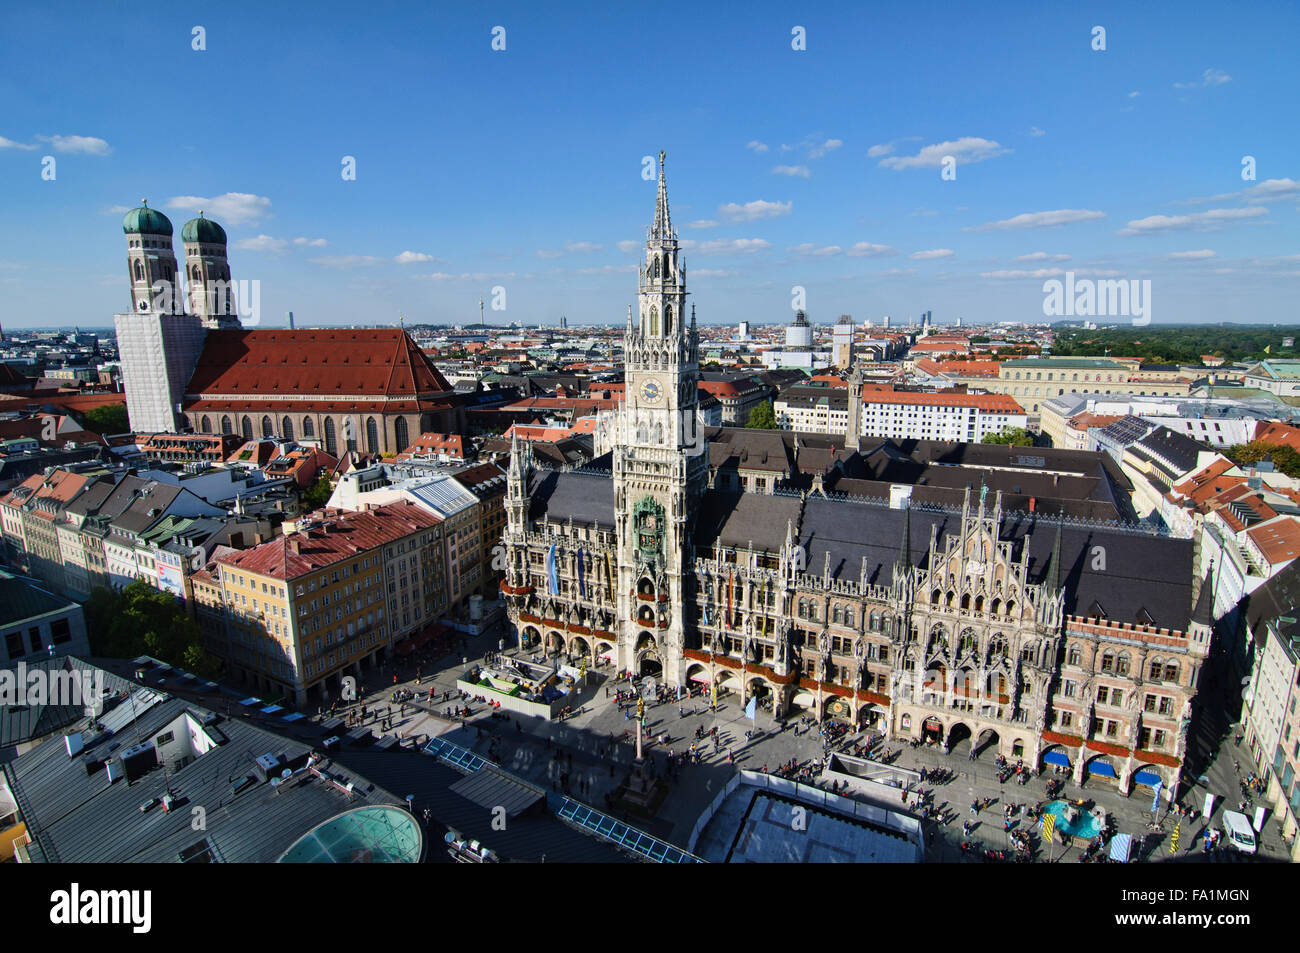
point(108, 419)
point(1284, 458)
point(142, 620)
point(317, 495)
point(1012, 436)
point(762, 417)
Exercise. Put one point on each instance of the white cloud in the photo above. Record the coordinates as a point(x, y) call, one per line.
point(811, 249)
point(883, 149)
point(410, 257)
point(581, 247)
point(1134, 95)
point(1191, 255)
point(1062, 216)
point(548, 253)
point(702, 223)
point(965, 151)
point(1011, 273)
point(231, 208)
point(628, 247)
point(732, 246)
point(77, 145)
point(830, 145)
point(1198, 221)
point(869, 250)
point(1042, 256)
point(1211, 77)
point(10, 144)
point(1035, 131)
point(898, 272)
point(607, 270)
point(1270, 190)
point(468, 276)
point(713, 273)
point(756, 146)
point(753, 211)
point(262, 243)
point(117, 210)
point(345, 261)
point(311, 242)
point(932, 253)
point(801, 171)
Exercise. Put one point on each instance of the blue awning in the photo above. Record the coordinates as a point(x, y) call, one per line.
point(1104, 768)
point(1057, 757)
point(1120, 846)
point(1148, 778)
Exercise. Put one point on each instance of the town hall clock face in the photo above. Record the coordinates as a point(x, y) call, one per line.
point(651, 391)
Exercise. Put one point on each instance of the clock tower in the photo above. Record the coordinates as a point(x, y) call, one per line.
point(660, 460)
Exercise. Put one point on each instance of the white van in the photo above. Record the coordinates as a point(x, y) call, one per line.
point(1239, 832)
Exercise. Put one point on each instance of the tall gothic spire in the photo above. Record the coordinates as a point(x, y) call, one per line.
point(663, 226)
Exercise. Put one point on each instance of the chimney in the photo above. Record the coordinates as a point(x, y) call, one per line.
point(294, 546)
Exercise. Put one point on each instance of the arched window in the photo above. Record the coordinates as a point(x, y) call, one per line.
point(308, 428)
point(350, 433)
point(196, 274)
point(668, 319)
point(400, 434)
point(848, 616)
point(331, 444)
point(839, 615)
point(139, 271)
point(226, 426)
point(1171, 671)
point(1122, 664)
point(286, 428)
point(812, 611)
point(246, 426)
point(875, 622)
point(654, 321)
point(267, 427)
point(1075, 656)
point(205, 425)
point(372, 435)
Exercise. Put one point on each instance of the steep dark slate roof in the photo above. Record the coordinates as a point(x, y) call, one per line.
point(585, 498)
point(738, 519)
point(1179, 450)
point(1277, 597)
point(22, 599)
point(23, 723)
point(1143, 576)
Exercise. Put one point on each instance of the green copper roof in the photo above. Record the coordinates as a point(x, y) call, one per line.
point(146, 221)
point(204, 231)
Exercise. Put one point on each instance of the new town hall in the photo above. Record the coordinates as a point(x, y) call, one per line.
point(1069, 644)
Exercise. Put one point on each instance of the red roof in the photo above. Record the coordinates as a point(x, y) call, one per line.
point(1278, 434)
point(999, 403)
point(337, 366)
point(337, 537)
point(430, 443)
point(1279, 540)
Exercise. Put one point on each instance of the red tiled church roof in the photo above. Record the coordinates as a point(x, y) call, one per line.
point(328, 364)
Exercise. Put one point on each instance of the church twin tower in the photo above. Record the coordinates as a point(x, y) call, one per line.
point(152, 265)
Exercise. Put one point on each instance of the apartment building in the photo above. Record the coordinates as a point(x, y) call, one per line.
point(326, 600)
point(962, 418)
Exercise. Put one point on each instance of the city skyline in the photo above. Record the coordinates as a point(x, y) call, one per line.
point(1067, 158)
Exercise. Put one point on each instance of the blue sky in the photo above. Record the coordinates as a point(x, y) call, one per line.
point(521, 169)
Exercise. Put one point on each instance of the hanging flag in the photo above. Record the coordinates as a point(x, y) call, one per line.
point(1049, 825)
point(552, 571)
point(715, 694)
point(751, 710)
point(1173, 843)
point(1155, 798)
point(582, 575)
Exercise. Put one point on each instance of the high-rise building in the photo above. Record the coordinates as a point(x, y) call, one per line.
point(842, 343)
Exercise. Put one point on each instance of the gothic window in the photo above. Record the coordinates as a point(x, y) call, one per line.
point(226, 425)
point(139, 271)
point(267, 427)
point(668, 319)
point(331, 445)
point(247, 427)
point(839, 615)
point(1108, 662)
point(1122, 664)
point(875, 622)
point(400, 435)
point(654, 321)
point(286, 429)
point(205, 425)
point(812, 611)
point(308, 430)
point(372, 435)
point(848, 616)
point(1171, 671)
point(195, 273)
point(1075, 656)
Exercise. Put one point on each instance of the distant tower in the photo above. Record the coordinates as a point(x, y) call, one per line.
point(853, 435)
point(798, 335)
point(742, 331)
point(211, 296)
point(150, 259)
point(885, 323)
point(959, 321)
point(842, 342)
point(564, 323)
point(290, 320)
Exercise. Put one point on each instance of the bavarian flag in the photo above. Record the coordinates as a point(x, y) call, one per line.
point(1049, 825)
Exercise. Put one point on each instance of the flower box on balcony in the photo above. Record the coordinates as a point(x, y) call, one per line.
point(1105, 747)
point(1056, 738)
point(1155, 757)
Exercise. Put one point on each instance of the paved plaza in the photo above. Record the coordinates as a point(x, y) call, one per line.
point(588, 755)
